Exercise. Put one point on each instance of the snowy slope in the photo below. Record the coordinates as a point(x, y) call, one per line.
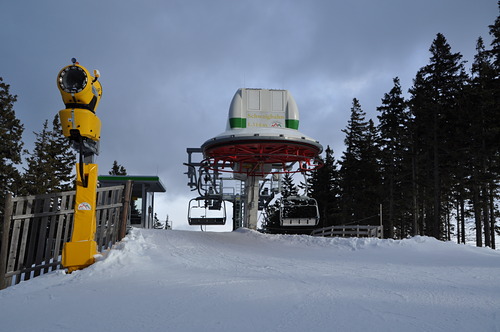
point(157, 280)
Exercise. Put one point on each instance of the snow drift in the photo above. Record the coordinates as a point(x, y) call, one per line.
point(157, 280)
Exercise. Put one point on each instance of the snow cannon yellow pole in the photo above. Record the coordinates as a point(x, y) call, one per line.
point(80, 251)
point(81, 93)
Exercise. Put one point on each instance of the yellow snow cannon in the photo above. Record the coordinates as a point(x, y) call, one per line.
point(81, 93)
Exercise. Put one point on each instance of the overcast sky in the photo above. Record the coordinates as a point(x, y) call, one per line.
point(169, 69)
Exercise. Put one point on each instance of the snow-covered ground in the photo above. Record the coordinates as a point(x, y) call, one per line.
point(158, 280)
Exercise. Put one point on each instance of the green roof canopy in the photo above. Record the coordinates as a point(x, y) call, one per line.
point(143, 187)
point(152, 183)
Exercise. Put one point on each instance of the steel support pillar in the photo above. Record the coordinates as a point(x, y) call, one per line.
point(251, 201)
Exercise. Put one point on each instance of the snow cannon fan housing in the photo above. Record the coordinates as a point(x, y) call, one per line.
point(81, 93)
point(262, 135)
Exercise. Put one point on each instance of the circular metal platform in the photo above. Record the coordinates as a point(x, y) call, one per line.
point(262, 151)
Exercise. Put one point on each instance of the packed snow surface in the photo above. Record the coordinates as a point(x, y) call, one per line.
point(158, 280)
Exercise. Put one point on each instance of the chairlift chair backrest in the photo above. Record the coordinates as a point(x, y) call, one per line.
point(207, 210)
point(299, 211)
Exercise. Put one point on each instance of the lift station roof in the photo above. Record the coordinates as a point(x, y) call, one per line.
point(151, 183)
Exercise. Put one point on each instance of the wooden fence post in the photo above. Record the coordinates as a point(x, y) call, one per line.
point(5, 240)
point(125, 210)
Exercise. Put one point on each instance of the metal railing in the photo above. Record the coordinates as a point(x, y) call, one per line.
point(349, 231)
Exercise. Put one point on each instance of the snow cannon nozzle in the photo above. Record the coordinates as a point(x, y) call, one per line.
point(81, 92)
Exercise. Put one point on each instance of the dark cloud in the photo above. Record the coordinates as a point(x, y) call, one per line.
point(170, 68)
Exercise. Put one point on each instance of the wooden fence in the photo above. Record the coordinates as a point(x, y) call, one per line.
point(35, 229)
point(349, 231)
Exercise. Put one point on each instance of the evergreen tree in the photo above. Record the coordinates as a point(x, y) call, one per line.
point(359, 174)
point(64, 157)
point(370, 175)
point(495, 44)
point(323, 185)
point(351, 160)
point(50, 164)
point(394, 120)
point(437, 106)
point(288, 187)
point(37, 178)
point(11, 131)
point(483, 147)
point(117, 169)
point(494, 123)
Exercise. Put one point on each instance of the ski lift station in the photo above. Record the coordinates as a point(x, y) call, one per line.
point(261, 142)
point(143, 189)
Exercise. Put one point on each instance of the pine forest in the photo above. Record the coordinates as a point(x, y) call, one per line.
point(431, 160)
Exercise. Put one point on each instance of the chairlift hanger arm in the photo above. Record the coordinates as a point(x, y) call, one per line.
point(191, 173)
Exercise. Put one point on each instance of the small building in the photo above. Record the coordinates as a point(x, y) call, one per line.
point(143, 189)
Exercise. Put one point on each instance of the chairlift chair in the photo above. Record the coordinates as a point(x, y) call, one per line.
point(299, 211)
point(207, 210)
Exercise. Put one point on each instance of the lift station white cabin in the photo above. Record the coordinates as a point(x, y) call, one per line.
point(261, 138)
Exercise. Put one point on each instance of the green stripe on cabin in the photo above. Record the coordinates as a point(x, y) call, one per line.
point(292, 124)
point(238, 122)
